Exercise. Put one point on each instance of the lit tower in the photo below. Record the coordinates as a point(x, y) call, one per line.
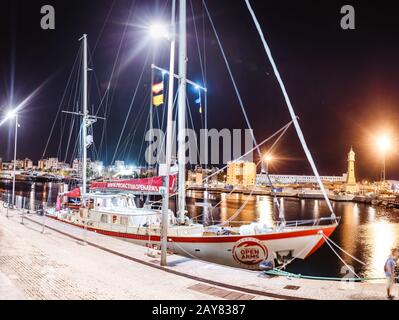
point(351, 185)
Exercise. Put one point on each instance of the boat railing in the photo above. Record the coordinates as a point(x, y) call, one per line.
point(281, 224)
point(311, 222)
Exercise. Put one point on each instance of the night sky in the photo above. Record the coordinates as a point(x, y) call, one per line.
point(343, 83)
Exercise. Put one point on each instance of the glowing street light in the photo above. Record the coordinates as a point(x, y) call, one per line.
point(266, 160)
point(384, 144)
point(158, 31)
point(13, 114)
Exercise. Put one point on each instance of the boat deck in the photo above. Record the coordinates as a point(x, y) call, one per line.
point(33, 265)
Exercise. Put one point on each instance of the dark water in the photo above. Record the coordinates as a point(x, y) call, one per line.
point(366, 232)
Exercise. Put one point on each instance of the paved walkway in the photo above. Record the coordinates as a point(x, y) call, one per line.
point(56, 265)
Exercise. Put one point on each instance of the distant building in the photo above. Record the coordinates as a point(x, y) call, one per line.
point(198, 176)
point(77, 164)
point(119, 164)
point(27, 164)
point(261, 179)
point(241, 173)
point(351, 185)
point(7, 165)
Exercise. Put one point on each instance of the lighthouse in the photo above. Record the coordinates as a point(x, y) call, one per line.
point(351, 186)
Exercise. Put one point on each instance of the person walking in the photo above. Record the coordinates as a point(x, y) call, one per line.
point(389, 269)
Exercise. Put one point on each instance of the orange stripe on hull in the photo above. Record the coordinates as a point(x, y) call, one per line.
point(327, 232)
point(215, 239)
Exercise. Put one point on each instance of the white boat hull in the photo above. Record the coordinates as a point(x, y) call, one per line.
point(242, 251)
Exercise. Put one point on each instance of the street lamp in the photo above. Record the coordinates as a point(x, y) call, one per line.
point(266, 160)
point(384, 144)
point(158, 30)
point(10, 115)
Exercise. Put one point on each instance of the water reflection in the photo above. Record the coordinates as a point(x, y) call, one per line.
point(383, 238)
point(264, 205)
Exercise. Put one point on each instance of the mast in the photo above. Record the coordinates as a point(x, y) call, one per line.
point(169, 135)
point(85, 117)
point(151, 117)
point(182, 110)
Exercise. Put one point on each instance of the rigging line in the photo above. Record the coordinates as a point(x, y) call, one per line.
point(131, 144)
point(69, 138)
point(219, 203)
point(134, 126)
point(234, 84)
point(74, 152)
point(62, 130)
point(290, 107)
point(262, 143)
point(257, 146)
point(60, 106)
point(73, 92)
point(307, 247)
point(347, 253)
point(241, 209)
point(119, 51)
point(342, 260)
point(141, 112)
point(117, 59)
point(231, 76)
point(196, 36)
point(94, 75)
point(124, 146)
point(131, 106)
point(105, 123)
point(192, 123)
point(272, 147)
point(281, 214)
point(142, 141)
point(137, 120)
point(159, 153)
point(103, 27)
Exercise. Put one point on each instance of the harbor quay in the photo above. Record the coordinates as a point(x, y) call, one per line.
point(196, 150)
point(43, 259)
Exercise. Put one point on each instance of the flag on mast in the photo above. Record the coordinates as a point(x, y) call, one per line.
point(157, 90)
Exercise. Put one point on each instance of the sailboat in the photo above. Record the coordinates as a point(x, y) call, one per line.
point(117, 215)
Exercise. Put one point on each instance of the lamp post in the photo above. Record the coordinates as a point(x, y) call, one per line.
point(10, 115)
point(158, 32)
point(15, 157)
point(384, 145)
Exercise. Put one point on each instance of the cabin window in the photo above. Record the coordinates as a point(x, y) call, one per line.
point(124, 221)
point(114, 219)
point(104, 218)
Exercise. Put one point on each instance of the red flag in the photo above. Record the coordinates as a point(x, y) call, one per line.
point(75, 193)
point(157, 88)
